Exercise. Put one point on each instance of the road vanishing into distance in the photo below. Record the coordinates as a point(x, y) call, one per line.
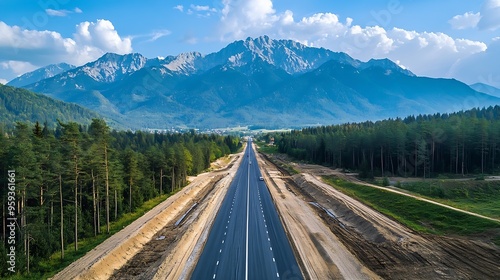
point(247, 239)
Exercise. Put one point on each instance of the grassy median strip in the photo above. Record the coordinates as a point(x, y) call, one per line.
point(418, 215)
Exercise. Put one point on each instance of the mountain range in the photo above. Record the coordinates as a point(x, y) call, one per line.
point(257, 81)
point(493, 91)
point(40, 74)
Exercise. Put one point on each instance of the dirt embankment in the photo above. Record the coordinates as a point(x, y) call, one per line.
point(380, 244)
point(145, 264)
point(173, 251)
point(320, 253)
point(182, 257)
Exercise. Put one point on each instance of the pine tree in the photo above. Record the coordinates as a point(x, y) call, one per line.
point(99, 131)
point(71, 146)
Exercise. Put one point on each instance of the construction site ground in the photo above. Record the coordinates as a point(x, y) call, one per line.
point(333, 235)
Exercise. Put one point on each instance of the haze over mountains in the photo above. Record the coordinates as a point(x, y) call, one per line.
point(261, 81)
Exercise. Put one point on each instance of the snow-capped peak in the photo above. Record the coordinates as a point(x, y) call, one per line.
point(112, 66)
point(291, 56)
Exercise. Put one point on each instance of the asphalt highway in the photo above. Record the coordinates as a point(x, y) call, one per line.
point(247, 239)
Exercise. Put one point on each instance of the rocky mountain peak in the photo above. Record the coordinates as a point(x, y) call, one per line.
point(40, 74)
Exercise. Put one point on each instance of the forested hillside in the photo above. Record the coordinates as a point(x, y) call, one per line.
point(461, 143)
point(18, 104)
point(73, 181)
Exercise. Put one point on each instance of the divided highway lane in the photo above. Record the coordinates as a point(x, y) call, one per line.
point(247, 239)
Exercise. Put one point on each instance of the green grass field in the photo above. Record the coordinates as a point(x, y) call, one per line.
point(478, 196)
point(263, 148)
point(419, 215)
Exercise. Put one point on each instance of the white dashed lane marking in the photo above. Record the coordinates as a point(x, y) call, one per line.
point(267, 232)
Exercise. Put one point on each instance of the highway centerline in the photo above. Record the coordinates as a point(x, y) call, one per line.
point(248, 208)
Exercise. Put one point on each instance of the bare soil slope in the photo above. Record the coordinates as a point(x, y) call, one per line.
point(384, 246)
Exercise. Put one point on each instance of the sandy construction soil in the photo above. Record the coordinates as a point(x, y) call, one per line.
point(322, 255)
point(385, 247)
point(173, 251)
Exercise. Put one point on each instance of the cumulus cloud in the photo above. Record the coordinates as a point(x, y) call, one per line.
point(180, 8)
point(467, 20)
point(424, 53)
point(18, 67)
point(246, 18)
point(490, 15)
point(101, 36)
point(3, 81)
point(481, 67)
point(22, 49)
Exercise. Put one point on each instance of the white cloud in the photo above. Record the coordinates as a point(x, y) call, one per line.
point(18, 67)
point(152, 36)
point(62, 13)
point(180, 8)
point(199, 8)
point(481, 67)
point(246, 18)
point(3, 81)
point(467, 20)
point(490, 15)
point(424, 53)
point(23, 50)
point(57, 13)
point(159, 34)
point(99, 37)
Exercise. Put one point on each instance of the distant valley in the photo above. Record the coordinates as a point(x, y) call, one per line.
point(261, 81)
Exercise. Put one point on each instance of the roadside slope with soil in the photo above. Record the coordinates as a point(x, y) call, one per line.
point(111, 255)
point(382, 245)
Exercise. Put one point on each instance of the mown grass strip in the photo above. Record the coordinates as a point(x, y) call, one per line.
point(418, 215)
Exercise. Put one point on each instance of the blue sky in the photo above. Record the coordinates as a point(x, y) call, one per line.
point(446, 38)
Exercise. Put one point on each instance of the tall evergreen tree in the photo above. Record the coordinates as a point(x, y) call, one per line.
point(99, 131)
point(71, 147)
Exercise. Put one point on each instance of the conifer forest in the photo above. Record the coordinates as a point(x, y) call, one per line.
point(461, 144)
point(73, 180)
